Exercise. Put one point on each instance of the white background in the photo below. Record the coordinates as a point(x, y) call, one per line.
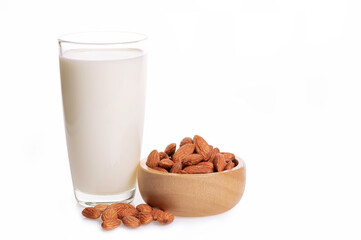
point(276, 82)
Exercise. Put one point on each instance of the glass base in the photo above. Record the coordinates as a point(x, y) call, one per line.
point(89, 200)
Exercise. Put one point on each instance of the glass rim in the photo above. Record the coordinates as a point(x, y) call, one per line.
point(102, 37)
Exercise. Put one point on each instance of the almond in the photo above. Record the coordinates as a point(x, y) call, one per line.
point(202, 147)
point(235, 161)
point(163, 155)
point(153, 159)
point(91, 212)
point(144, 208)
point(120, 206)
point(127, 212)
point(194, 169)
point(229, 165)
point(213, 154)
point(166, 163)
point(182, 152)
point(209, 164)
point(192, 159)
point(111, 224)
point(101, 207)
point(170, 149)
point(145, 217)
point(228, 156)
point(177, 167)
point(110, 213)
point(185, 141)
point(165, 218)
point(131, 221)
point(219, 162)
point(156, 212)
point(160, 169)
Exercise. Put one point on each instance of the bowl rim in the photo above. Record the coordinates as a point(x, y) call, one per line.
point(142, 164)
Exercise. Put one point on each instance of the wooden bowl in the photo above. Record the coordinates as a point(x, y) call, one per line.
point(192, 195)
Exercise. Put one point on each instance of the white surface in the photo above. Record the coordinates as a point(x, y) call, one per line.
point(276, 82)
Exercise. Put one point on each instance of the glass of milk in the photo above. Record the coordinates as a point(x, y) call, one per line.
point(103, 79)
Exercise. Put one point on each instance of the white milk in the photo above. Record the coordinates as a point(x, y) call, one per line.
point(103, 99)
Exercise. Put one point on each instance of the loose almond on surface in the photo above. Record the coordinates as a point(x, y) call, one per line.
point(91, 212)
point(127, 212)
point(165, 218)
point(109, 213)
point(144, 208)
point(131, 221)
point(101, 207)
point(119, 206)
point(111, 224)
point(156, 212)
point(145, 217)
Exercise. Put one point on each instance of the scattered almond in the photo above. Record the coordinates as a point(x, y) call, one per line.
point(120, 206)
point(132, 217)
point(101, 207)
point(111, 224)
point(91, 212)
point(145, 217)
point(165, 218)
point(127, 212)
point(109, 213)
point(156, 212)
point(131, 221)
point(144, 208)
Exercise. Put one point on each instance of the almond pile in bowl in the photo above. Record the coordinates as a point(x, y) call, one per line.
point(113, 215)
point(194, 156)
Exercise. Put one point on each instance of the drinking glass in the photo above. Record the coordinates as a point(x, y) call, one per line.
point(103, 80)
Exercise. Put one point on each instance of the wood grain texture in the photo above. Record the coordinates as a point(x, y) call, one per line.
point(192, 195)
